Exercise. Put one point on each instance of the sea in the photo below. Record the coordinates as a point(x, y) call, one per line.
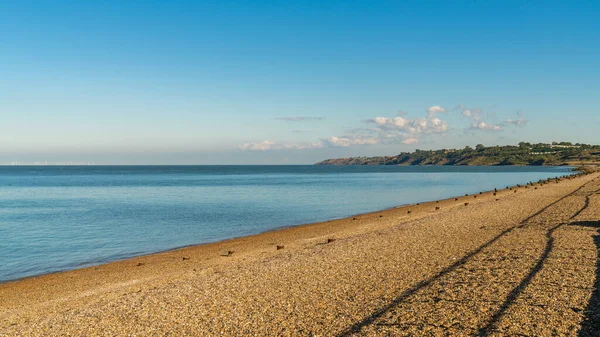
point(56, 218)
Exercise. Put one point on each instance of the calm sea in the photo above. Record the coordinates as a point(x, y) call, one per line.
point(58, 218)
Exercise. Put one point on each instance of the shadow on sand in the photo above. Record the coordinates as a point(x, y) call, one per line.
point(591, 324)
point(370, 319)
point(491, 325)
point(512, 296)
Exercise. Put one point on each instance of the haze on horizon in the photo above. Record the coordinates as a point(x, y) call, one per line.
point(256, 82)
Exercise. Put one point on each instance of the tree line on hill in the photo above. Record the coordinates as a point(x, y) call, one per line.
point(557, 153)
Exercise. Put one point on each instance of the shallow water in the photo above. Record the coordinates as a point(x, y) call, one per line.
point(57, 218)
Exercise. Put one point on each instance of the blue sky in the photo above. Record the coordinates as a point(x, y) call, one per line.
point(282, 82)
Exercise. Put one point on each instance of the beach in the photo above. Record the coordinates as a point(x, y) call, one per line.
point(521, 262)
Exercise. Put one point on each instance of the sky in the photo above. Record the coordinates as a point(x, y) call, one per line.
point(291, 82)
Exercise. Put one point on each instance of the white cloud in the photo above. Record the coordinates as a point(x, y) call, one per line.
point(516, 122)
point(474, 113)
point(352, 140)
point(415, 127)
point(436, 125)
point(267, 145)
point(404, 130)
point(391, 123)
point(344, 141)
point(432, 110)
point(409, 141)
point(339, 141)
point(262, 146)
point(519, 122)
point(480, 125)
point(303, 146)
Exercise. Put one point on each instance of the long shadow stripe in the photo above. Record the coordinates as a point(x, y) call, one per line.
point(515, 292)
point(512, 296)
point(591, 323)
point(357, 327)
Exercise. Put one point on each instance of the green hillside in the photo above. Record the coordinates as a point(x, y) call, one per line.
point(554, 154)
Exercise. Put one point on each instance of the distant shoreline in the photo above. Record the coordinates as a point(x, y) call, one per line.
point(573, 165)
point(525, 154)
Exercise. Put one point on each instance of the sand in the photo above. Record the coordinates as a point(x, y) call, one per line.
point(521, 263)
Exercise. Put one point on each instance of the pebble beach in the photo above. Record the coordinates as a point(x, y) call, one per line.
point(519, 261)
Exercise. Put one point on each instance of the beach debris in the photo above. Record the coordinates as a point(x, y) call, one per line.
point(535, 188)
point(330, 240)
point(437, 208)
point(455, 199)
point(466, 204)
point(515, 191)
point(495, 193)
point(278, 247)
point(140, 264)
point(409, 212)
point(437, 201)
point(185, 258)
point(474, 197)
point(354, 218)
point(480, 192)
point(497, 199)
point(226, 252)
point(381, 216)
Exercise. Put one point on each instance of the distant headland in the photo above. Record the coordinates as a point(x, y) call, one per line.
point(524, 154)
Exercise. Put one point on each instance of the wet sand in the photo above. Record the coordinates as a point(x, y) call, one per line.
point(522, 262)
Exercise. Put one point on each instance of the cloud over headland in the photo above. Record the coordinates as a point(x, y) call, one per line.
point(399, 129)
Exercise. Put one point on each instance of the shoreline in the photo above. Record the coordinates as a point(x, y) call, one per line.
point(46, 298)
point(276, 229)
